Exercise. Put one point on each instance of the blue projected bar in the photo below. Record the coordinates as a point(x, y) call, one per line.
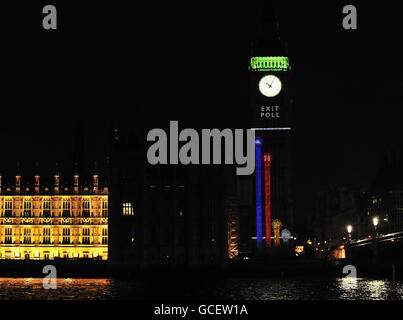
point(258, 156)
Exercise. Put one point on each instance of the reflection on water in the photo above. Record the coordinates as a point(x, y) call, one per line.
point(32, 288)
point(317, 289)
point(202, 288)
point(373, 290)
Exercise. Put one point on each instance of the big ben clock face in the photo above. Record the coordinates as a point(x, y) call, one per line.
point(270, 85)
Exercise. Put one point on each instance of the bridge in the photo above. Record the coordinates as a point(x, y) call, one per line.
point(391, 237)
point(379, 253)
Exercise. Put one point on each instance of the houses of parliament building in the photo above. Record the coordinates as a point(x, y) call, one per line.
point(153, 215)
point(53, 222)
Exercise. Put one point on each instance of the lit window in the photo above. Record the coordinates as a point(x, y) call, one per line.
point(66, 236)
point(86, 236)
point(8, 236)
point(27, 235)
point(27, 208)
point(46, 236)
point(8, 207)
point(105, 208)
point(46, 208)
point(66, 208)
point(86, 207)
point(104, 236)
point(127, 209)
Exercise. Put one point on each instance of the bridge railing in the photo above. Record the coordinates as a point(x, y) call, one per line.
point(381, 238)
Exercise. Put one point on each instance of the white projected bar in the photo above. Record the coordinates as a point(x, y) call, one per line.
point(270, 129)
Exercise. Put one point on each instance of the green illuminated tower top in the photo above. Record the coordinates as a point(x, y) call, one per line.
point(279, 63)
point(267, 41)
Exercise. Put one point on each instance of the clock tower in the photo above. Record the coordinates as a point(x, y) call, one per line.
point(269, 91)
point(270, 116)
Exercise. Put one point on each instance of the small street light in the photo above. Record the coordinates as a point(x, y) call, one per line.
point(349, 229)
point(375, 221)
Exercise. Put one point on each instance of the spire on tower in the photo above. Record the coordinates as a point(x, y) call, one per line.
point(266, 39)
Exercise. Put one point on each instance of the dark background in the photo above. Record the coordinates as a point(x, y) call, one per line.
point(141, 65)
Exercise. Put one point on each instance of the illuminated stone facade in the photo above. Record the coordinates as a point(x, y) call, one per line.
point(232, 228)
point(53, 223)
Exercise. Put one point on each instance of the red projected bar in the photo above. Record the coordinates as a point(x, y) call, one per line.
point(267, 162)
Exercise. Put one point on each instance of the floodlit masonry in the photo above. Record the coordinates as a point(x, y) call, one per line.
point(43, 223)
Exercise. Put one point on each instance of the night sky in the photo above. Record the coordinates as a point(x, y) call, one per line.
point(143, 65)
point(348, 92)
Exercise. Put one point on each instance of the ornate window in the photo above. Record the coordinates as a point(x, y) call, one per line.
point(86, 236)
point(8, 207)
point(66, 208)
point(104, 236)
point(46, 208)
point(86, 207)
point(8, 236)
point(105, 208)
point(27, 235)
point(27, 208)
point(46, 236)
point(127, 209)
point(66, 236)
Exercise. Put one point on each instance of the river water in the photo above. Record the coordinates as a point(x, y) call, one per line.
point(202, 288)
